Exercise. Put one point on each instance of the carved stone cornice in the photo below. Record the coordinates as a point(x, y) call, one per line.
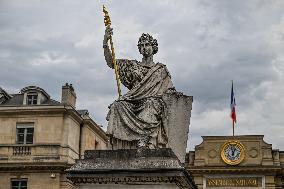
point(231, 169)
point(41, 167)
point(177, 177)
point(39, 109)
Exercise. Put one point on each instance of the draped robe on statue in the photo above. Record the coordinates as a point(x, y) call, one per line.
point(139, 114)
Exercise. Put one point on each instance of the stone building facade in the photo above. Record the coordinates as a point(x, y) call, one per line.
point(236, 162)
point(40, 138)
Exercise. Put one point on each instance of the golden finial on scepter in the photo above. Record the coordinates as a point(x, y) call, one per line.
point(106, 18)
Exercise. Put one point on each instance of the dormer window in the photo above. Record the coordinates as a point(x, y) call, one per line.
point(34, 95)
point(32, 98)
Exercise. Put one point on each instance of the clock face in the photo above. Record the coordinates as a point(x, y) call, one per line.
point(232, 152)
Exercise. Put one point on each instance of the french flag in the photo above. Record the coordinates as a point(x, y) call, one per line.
point(233, 105)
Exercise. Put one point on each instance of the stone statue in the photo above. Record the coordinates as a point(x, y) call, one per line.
point(138, 116)
point(148, 127)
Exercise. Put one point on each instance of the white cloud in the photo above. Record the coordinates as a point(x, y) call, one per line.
point(51, 59)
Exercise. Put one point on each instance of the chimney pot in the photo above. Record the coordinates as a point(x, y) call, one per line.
point(68, 95)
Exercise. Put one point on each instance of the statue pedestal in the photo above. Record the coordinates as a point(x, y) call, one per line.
point(130, 168)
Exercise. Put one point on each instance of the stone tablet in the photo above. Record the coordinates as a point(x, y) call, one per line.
point(177, 123)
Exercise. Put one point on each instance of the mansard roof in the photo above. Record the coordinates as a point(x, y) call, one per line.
point(17, 99)
point(2, 91)
point(4, 96)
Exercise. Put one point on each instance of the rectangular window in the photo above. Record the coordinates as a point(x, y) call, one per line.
point(32, 99)
point(25, 133)
point(19, 184)
point(96, 145)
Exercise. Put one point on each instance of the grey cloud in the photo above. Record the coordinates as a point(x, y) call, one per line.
point(204, 44)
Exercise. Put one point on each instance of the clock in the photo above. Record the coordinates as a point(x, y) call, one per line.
point(233, 152)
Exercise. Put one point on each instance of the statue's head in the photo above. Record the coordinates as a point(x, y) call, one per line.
point(147, 45)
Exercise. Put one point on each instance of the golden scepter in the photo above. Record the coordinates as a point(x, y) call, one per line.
point(107, 24)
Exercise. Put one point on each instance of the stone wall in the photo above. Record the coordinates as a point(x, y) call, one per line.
point(35, 180)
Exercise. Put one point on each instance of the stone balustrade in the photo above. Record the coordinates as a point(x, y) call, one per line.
point(37, 153)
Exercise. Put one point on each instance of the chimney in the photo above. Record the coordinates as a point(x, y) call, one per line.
point(68, 95)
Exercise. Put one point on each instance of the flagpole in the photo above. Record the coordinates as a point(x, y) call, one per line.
point(233, 128)
point(233, 110)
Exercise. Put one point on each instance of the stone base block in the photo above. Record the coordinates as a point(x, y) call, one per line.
point(130, 168)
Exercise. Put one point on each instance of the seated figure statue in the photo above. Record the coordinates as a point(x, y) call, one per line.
point(138, 116)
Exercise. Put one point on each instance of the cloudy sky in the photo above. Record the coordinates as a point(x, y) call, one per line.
point(205, 44)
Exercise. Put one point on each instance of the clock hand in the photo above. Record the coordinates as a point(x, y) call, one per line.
point(234, 149)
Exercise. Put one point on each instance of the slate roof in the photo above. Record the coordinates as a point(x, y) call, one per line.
point(2, 91)
point(51, 102)
point(17, 100)
point(83, 112)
